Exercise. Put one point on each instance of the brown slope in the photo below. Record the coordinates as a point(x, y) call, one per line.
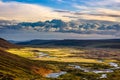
point(13, 66)
point(5, 44)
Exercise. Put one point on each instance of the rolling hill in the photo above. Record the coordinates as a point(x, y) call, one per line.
point(5, 44)
point(13, 67)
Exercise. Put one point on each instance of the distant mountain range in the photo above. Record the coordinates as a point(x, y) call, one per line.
point(104, 43)
point(78, 26)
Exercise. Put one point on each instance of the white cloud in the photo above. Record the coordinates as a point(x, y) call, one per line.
point(27, 12)
point(32, 12)
point(98, 13)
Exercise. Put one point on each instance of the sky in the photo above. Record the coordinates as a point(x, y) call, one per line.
point(67, 10)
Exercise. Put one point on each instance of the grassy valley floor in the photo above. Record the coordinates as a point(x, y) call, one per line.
point(78, 63)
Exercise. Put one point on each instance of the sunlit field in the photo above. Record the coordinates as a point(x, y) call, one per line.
point(63, 54)
point(77, 63)
point(53, 54)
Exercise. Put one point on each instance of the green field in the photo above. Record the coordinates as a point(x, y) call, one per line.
point(59, 59)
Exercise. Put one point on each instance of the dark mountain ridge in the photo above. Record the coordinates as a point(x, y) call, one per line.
point(107, 43)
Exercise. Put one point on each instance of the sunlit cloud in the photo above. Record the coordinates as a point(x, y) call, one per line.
point(84, 9)
point(100, 14)
point(27, 12)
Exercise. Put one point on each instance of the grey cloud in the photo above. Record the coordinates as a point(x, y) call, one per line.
point(79, 13)
point(71, 16)
point(62, 11)
point(108, 15)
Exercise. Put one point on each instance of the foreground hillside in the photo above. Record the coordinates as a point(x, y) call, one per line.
point(5, 44)
point(13, 67)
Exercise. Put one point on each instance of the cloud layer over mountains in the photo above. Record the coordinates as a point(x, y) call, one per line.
point(58, 29)
point(55, 25)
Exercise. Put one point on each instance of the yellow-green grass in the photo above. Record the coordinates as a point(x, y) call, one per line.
point(56, 54)
point(60, 55)
point(74, 59)
point(110, 60)
point(21, 52)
